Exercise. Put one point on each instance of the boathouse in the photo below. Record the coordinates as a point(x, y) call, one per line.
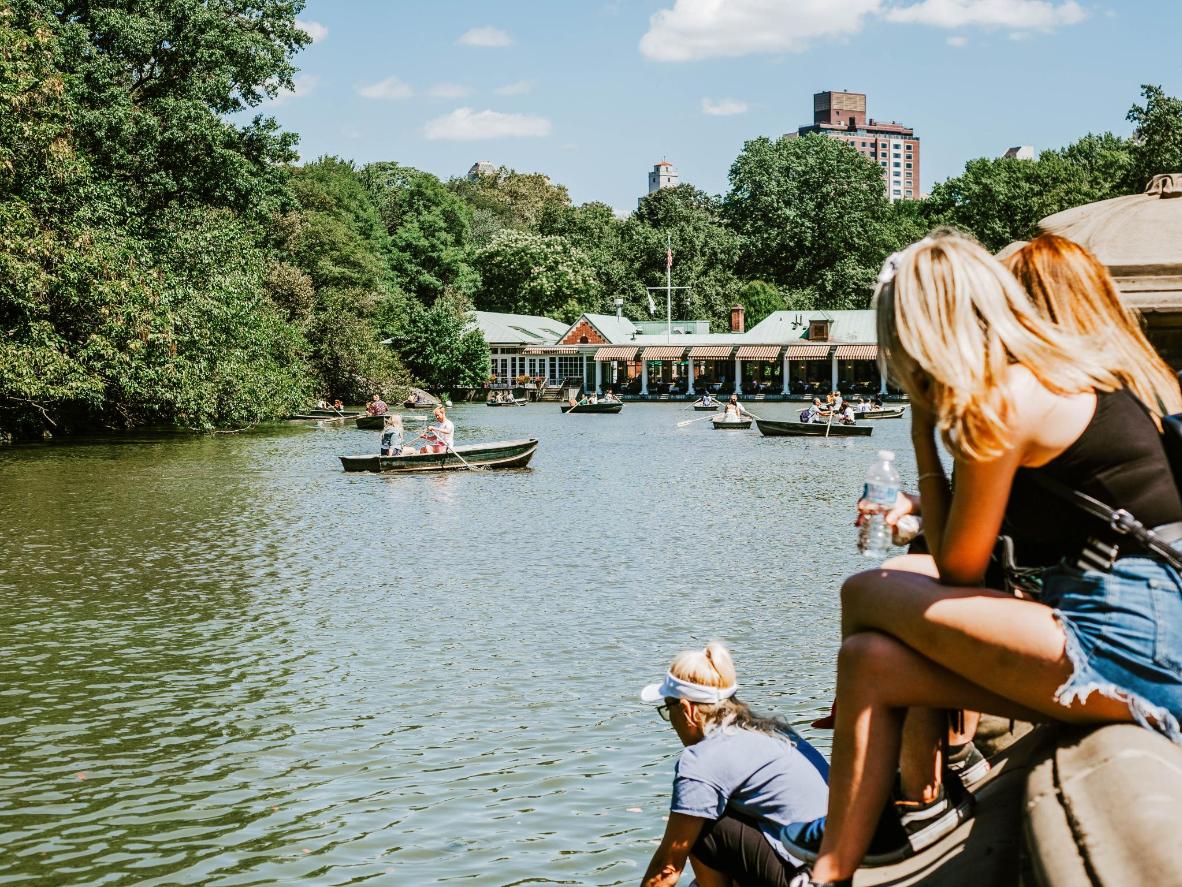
point(789, 354)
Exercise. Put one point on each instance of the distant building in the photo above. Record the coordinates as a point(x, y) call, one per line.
point(662, 176)
point(1020, 152)
point(894, 147)
point(481, 168)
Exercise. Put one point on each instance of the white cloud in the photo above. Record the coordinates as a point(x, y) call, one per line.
point(723, 107)
point(448, 91)
point(465, 125)
point(390, 88)
point(1037, 15)
point(303, 85)
point(699, 29)
point(315, 30)
point(485, 37)
point(521, 87)
point(957, 40)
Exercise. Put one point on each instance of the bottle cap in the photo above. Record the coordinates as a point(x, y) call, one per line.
point(886, 455)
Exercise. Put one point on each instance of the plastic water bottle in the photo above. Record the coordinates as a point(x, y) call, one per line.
point(881, 491)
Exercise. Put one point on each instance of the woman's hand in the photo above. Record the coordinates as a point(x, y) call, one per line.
point(905, 503)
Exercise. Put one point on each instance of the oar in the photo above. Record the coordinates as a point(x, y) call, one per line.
point(692, 421)
point(830, 425)
point(467, 464)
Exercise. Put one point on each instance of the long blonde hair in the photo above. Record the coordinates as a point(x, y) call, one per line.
point(713, 666)
point(1073, 288)
point(951, 321)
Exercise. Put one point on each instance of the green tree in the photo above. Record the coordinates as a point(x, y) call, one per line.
point(441, 344)
point(524, 273)
point(1157, 138)
point(593, 229)
point(509, 199)
point(760, 299)
point(1106, 161)
point(429, 229)
point(1000, 200)
point(812, 215)
point(687, 221)
point(338, 240)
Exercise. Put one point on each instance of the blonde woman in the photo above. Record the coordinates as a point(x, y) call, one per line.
point(740, 779)
point(1016, 399)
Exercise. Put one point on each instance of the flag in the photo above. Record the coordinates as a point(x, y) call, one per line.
point(668, 258)
point(652, 306)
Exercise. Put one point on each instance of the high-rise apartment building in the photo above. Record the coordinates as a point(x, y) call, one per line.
point(842, 115)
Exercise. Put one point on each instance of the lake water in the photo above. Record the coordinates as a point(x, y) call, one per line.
point(225, 661)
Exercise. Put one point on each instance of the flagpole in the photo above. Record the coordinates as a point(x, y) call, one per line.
point(668, 288)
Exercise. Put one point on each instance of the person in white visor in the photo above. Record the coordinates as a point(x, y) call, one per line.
point(738, 781)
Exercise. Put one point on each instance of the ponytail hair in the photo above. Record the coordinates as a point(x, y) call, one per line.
point(712, 666)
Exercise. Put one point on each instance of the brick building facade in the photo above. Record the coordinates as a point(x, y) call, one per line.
point(894, 147)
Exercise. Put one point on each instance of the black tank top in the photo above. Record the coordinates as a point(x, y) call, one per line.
point(1118, 459)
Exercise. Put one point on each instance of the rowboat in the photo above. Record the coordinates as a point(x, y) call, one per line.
point(501, 454)
point(319, 416)
point(592, 408)
point(768, 428)
point(702, 408)
point(370, 423)
point(515, 402)
point(886, 413)
point(732, 425)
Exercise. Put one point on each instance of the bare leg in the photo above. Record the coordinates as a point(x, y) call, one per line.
point(708, 877)
point(920, 757)
point(936, 635)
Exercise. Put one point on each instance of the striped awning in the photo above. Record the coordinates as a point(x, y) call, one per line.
point(550, 349)
point(711, 352)
point(758, 352)
point(617, 352)
point(857, 352)
point(808, 352)
point(664, 352)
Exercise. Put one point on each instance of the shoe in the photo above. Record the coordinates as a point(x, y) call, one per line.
point(904, 829)
point(804, 878)
point(969, 764)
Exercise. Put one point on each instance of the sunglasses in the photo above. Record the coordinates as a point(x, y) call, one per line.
point(663, 711)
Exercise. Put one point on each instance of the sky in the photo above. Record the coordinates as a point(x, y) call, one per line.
point(594, 92)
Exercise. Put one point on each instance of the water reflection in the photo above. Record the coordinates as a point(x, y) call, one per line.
point(227, 662)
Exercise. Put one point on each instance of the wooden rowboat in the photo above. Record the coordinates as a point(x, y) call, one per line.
point(702, 408)
point(371, 423)
point(319, 417)
point(593, 408)
point(501, 454)
point(886, 413)
point(768, 428)
point(515, 402)
point(722, 425)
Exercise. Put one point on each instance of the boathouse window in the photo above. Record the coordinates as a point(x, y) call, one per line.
point(819, 330)
point(583, 340)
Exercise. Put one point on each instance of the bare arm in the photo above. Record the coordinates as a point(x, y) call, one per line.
point(668, 862)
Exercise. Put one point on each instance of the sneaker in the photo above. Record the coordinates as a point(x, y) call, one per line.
point(969, 764)
point(904, 829)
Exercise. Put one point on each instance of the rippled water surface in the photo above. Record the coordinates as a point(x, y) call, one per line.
point(224, 661)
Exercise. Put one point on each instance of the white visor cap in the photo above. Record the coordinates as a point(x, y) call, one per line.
point(676, 688)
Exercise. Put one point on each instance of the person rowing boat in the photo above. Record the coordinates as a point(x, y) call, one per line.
point(440, 437)
point(734, 411)
point(706, 400)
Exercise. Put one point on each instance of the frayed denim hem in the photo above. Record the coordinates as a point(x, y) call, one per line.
point(1078, 688)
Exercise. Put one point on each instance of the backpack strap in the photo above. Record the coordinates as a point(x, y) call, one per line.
point(1118, 520)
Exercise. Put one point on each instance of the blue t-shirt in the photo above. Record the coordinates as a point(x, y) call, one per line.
point(775, 780)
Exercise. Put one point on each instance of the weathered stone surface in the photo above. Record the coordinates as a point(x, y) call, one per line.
point(1103, 806)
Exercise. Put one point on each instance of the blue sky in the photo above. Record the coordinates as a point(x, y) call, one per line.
point(594, 92)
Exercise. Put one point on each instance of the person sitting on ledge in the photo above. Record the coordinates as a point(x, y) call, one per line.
point(1028, 408)
point(739, 780)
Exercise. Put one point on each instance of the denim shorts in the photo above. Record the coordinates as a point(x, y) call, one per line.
point(1124, 637)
